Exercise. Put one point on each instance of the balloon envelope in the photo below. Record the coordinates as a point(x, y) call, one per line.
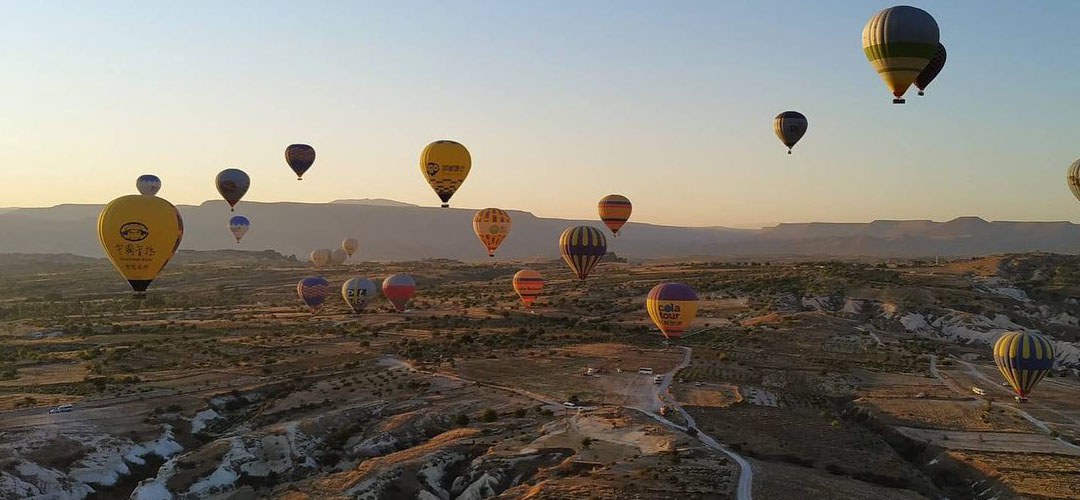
point(139, 235)
point(148, 184)
point(313, 291)
point(899, 42)
point(936, 64)
point(232, 184)
point(528, 284)
point(349, 245)
point(491, 225)
point(445, 164)
point(398, 289)
point(672, 306)
point(582, 247)
point(1023, 359)
point(300, 157)
point(239, 225)
point(1072, 178)
point(320, 257)
point(338, 256)
point(357, 292)
point(789, 127)
point(614, 211)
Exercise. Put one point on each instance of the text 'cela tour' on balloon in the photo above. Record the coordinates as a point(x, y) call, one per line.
point(672, 306)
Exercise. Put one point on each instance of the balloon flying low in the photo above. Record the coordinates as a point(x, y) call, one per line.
point(582, 247)
point(789, 127)
point(445, 164)
point(320, 257)
point(528, 284)
point(148, 184)
point(491, 225)
point(338, 256)
point(899, 42)
point(1023, 359)
point(357, 292)
point(139, 235)
point(398, 289)
point(614, 212)
point(232, 184)
point(313, 291)
point(349, 245)
point(1072, 178)
point(300, 157)
point(672, 306)
point(239, 226)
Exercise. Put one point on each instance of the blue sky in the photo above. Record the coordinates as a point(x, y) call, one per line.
point(560, 103)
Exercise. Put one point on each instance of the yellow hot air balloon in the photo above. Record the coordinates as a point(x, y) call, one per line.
point(1024, 359)
point(899, 42)
point(672, 306)
point(445, 164)
point(349, 245)
point(528, 284)
point(139, 234)
point(321, 256)
point(491, 225)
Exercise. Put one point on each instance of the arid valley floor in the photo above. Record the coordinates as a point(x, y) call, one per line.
point(799, 379)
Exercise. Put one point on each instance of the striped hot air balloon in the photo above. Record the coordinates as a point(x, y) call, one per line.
point(528, 284)
point(789, 127)
point(398, 289)
point(1023, 359)
point(1072, 178)
point(899, 42)
point(300, 157)
point(582, 247)
point(491, 225)
point(614, 211)
point(936, 64)
point(672, 306)
point(313, 291)
point(349, 245)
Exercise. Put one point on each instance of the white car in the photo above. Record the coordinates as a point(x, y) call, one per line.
point(61, 409)
point(569, 405)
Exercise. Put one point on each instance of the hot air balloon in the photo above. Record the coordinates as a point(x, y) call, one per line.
point(491, 225)
point(582, 247)
point(148, 184)
point(614, 212)
point(338, 256)
point(398, 289)
point(313, 291)
point(1072, 178)
point(931, 70)
point(320, 257)
point(789, 127)
point(445, 164)
point(232, 184)
point(899, 42)
point(299, 157)
point(527, 284)
point(139, 235)
point(672, 306)
point(1023, 359)
point(357, 292)
point(239, 226)
point(349, 245)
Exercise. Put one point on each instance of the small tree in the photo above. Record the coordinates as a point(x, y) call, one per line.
point(489, 415)
point(461, 420)
point(586, 442)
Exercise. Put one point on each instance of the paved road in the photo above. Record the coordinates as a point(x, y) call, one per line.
point(746, 473)
point(991, 383)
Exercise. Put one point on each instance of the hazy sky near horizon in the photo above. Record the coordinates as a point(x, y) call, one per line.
point(559, 102)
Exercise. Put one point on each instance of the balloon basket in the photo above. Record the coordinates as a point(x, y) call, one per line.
point(921, 93)
point(898, 101)
point(446, 205)
point(1020, 399)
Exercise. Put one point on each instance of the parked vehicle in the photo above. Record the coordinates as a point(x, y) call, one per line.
point(62, 409)
point(645, 371)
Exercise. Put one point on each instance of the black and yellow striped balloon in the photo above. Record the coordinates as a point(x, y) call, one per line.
point(1024, 359)
point(582, 247)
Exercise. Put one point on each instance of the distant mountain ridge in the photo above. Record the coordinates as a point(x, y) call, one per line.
point(390, 230)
